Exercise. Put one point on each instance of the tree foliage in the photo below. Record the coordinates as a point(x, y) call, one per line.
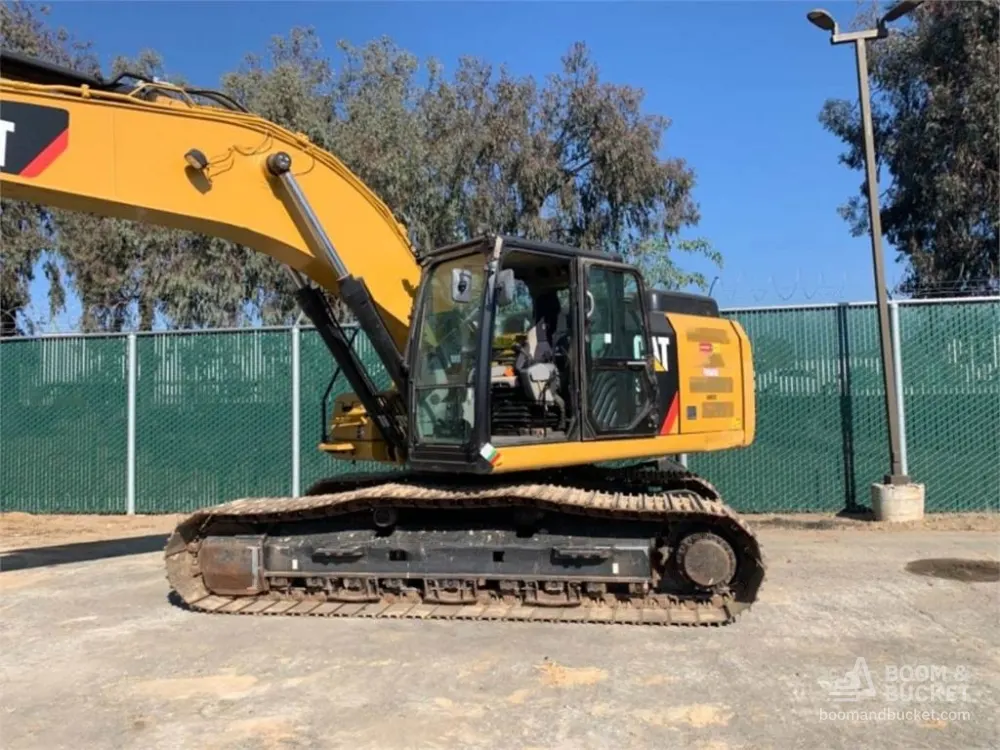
point(572, 159)
point(936, 112)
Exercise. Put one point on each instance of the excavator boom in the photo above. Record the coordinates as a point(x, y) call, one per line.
point(127, 153)
point(500, 415)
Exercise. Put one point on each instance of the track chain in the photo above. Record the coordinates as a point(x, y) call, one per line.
point(692, 499)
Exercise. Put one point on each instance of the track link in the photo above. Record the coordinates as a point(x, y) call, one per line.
point(667, 497)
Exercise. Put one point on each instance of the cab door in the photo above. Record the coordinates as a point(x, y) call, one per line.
point(618, 383)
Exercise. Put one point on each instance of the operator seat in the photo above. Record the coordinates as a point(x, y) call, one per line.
point(516, 323)
point(535, 365)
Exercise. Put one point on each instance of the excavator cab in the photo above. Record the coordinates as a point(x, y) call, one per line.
point(517, 343)
point(523, 355)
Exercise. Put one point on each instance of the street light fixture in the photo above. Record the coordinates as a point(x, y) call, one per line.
point(823, 20)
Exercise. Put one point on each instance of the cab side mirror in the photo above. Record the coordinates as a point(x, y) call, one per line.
point(461, 285)
point(505, 287)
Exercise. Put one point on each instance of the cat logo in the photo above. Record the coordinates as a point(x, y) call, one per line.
point(32, 137)
point(6, 126)
point(661, 349)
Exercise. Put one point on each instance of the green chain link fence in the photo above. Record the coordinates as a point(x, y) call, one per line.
point(213, 415)
point(951, 356)
point(63, 425)
point(213, 418)
point(821, 433)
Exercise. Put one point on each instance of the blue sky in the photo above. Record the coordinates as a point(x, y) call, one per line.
point(743, 83)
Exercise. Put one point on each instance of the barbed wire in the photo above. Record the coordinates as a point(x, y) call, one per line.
point(809, 288)
point(732, 292)
point(966, 288)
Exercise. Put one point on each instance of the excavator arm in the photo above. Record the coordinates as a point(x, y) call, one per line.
point(149, 153)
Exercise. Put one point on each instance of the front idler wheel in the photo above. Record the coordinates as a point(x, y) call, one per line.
point(706, 560)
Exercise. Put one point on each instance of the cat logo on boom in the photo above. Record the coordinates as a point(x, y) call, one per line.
point(32, 137)
point(6, 126)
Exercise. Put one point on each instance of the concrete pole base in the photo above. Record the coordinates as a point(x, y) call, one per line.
point(896, 503)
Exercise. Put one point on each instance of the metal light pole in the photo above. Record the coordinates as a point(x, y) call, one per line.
point(824, 21)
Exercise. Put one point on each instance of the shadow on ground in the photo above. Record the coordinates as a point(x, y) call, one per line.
point(62, 554)
point(969, 571)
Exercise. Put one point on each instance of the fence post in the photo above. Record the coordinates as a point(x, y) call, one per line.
point(897, 358)
point(130, 506)
point(296, 383)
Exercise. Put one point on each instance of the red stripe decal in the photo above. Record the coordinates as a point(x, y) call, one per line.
point(48, 155)
point(668, 421)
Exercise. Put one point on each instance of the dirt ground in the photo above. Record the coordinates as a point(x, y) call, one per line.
point(28, 530)
point(93, 654)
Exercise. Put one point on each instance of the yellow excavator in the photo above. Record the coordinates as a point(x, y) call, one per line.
point(535, 393)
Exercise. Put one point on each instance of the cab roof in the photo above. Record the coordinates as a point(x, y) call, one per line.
point(657, 300)
point(486, 242)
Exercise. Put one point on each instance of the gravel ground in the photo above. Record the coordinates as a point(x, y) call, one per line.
point(93, 655)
